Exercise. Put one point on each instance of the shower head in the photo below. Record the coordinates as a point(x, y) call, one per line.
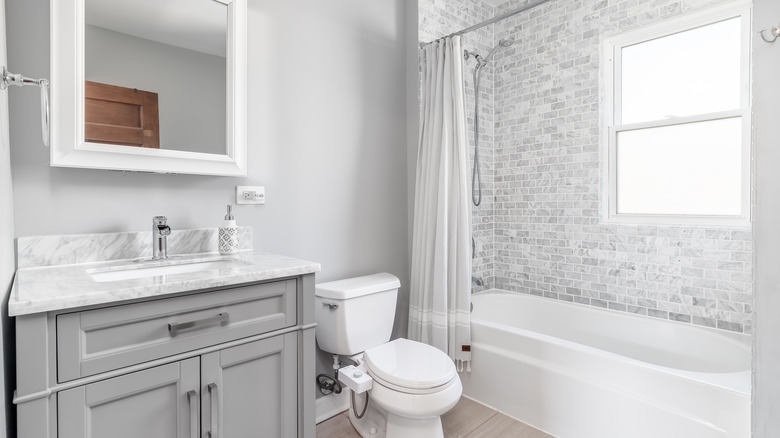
point(504, 42)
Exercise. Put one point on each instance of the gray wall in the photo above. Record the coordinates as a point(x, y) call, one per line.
point(766, 140)
point(190, 85)
point(327, 138)
point(7, 264)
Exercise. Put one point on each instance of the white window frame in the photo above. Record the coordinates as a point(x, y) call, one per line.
point(611, 123)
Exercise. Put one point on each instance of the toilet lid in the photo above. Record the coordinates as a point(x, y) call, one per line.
point(410, 364)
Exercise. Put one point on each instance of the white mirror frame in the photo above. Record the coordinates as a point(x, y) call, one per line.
point(68, 146)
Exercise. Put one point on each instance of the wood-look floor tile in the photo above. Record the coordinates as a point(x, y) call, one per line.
point(465, 417)
point(501, 426)
point(337, 427)
point(468, 419)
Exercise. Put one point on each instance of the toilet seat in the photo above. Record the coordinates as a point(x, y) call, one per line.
point(380, 382)
point(410, 367)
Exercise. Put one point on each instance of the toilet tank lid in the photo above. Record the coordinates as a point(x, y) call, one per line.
point(357, 286)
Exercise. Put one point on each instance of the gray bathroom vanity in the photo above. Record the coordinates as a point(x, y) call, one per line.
point(194, 346)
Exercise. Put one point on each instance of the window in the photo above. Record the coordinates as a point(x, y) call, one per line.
point(677, 137)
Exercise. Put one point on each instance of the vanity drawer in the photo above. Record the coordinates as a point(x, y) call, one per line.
point(95, 341)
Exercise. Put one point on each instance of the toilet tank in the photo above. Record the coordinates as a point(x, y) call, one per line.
point(355, 314)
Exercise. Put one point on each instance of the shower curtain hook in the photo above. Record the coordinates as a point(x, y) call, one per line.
point(775, 31)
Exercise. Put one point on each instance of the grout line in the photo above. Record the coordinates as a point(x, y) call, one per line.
point(475, 429)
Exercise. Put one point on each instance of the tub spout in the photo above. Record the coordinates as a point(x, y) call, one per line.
point(477, 280)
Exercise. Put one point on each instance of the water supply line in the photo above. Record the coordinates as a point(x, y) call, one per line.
point(328, 384)
point(337, 362)
point(332, 384)
point(354, 408)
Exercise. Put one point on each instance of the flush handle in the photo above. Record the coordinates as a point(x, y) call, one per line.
point(331, 306)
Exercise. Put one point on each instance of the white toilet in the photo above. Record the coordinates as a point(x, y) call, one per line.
point(413, 383)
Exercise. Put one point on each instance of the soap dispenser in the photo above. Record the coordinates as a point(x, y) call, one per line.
point(228, 234)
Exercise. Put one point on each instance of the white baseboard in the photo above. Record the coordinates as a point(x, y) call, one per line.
point(331, 405)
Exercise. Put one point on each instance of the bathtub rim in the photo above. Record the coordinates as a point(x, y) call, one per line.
point(736, 381)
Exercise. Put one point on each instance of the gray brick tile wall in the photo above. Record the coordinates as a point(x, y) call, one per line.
point(538, 230)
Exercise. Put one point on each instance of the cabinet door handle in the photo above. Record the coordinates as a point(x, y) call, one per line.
point(193, 413)
point(220, 318)
point(214, 395)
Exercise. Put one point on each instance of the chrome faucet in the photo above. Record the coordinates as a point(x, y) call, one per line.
point(160, 232)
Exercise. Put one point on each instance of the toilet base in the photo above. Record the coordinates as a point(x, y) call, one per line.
point(378, 423)
point(402, 427)
point(374, 421)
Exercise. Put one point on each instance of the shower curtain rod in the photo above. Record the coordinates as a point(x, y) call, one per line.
point(495, 19)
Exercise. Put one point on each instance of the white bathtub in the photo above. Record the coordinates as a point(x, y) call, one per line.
point(581, 372)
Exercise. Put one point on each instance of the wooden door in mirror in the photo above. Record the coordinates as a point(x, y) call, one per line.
point(121, 116)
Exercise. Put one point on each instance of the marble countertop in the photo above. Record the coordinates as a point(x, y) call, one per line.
point(48, 288)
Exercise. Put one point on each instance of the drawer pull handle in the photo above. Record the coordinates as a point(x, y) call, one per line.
point(214, 395)
point(175, 327)
point(193, 413)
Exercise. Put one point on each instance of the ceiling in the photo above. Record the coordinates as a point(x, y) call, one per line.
point(199, 25)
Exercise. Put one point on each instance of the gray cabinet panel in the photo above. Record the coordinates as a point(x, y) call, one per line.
point(256, 389)
point(95, 341)
point(306, 395)
point(152, 404)
point(125, 375)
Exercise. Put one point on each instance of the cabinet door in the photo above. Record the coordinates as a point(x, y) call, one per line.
point(251, 390)
point(152, 403)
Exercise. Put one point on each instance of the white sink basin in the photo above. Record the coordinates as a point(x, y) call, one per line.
point(134, 272)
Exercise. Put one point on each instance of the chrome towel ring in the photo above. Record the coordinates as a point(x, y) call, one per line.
point(9, 79)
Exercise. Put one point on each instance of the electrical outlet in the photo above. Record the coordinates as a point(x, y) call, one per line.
point(250, 195)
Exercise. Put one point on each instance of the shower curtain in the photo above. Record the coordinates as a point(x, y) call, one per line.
point(439, 309)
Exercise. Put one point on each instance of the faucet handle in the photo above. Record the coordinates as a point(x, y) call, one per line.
point(161, 222)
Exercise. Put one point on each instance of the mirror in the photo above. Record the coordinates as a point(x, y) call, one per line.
point(155, 74)
point(145, 85)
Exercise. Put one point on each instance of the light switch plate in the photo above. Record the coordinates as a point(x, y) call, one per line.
point(250, 195)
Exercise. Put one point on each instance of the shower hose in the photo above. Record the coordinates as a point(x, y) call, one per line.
point(476, 177)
